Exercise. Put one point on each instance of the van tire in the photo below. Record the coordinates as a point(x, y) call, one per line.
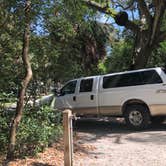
point(137, 116)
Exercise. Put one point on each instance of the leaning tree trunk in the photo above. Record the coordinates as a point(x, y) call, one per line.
point(24, 84)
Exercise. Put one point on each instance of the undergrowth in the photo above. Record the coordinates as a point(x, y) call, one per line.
point(39, 128)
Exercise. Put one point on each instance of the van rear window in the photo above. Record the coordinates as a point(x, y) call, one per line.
point(150, 77)
point(164, 70)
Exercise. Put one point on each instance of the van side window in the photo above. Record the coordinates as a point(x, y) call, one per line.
point(68, 88)
point(130, 79)
point(110, 81)
point(122, 80)
point(86, 85)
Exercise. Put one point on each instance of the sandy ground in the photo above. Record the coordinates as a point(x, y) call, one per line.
point(113, 144)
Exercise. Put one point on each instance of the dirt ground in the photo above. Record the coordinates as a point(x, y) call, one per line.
point(113, 144)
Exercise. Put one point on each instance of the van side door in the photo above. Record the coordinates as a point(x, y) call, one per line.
point(116, 89)
point(66, 99)
point(87, 98)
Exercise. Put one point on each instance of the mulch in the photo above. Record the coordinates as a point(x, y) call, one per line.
point(52, 156)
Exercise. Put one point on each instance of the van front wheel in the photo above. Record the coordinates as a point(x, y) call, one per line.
point(137, 117)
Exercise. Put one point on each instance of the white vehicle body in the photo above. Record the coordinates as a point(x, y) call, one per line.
point(110, 94)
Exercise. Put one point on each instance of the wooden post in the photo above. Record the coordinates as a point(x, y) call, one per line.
point(68, 138)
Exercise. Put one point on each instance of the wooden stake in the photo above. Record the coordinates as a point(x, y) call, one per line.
point(68, 138)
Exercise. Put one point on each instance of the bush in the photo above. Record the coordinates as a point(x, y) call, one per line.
point(5, 118)
point(37, 130)
point(7, 97)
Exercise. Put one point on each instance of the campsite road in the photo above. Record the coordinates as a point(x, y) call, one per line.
point(106, 143)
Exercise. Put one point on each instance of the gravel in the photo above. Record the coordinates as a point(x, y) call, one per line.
point(112, 143)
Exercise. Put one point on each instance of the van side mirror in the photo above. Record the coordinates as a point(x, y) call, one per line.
point(61, 92)
point(55, 91)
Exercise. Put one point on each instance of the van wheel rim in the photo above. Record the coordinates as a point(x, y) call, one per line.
point(135, 118)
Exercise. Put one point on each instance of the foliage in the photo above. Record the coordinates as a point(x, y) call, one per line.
point(37, 130)
point(67, 41)
point(120, 58)
point(146, 23)
point(78, 41)
point(5, 119)
point(7, 97)
point(159, 56)
point(58, 36)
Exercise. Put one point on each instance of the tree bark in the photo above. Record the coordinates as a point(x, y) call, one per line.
point(142, 57)
point(24, 83)
point(142, 49)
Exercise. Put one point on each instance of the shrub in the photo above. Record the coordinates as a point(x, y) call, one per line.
point(7, 97)
point(38, 129)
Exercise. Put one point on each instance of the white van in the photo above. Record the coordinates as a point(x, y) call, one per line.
point(138, 95)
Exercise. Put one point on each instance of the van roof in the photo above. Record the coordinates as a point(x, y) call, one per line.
point(133, 71)
point(130, 71)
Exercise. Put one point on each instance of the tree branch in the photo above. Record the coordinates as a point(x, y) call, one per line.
point(145, 11)
point(132, 26)
point(107, 10)
point(102, 8)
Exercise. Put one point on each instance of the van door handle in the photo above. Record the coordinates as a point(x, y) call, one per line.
point(161, 91)
point(74, 98)
point(91, 97)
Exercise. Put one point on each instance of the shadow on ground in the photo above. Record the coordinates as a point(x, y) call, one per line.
point(112, 125)
point(95, 129)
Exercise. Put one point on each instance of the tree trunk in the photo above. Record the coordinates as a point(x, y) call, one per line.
point(143, 57)
point(142, 49)
point(24, 84)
